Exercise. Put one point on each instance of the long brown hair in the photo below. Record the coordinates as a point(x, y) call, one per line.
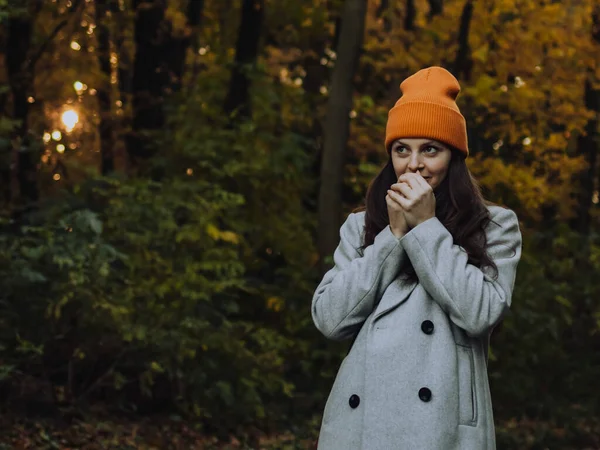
point(460, 207)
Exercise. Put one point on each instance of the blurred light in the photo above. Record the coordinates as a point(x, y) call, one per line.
point(60, 148)
point(78, 85)
point(538, 68)
point(504, 88)
point(90, 30)
point(75, 45)
point(283, 75)
point(527, 141)
point(70, 118)
point(56, 135)
point(352, 114)
point(30, 99)
point(119, 103)
point(47, 137)
point(323, 90)
point(323, 61)
point(72, 145)
point(595, 197)
point(92, 91)
point(298, 81)
point(189, 171)
point(519, 82)
point(202, 51)
point(56, 177)
point(113, 58)
point(84, 23)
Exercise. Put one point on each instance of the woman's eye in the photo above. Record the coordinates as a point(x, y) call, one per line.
point(432, 148)
point(400, 147)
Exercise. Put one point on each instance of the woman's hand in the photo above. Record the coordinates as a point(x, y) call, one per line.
point(398, 223)
point(416, 198)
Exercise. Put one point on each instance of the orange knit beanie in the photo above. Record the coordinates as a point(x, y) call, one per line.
point(427, 109)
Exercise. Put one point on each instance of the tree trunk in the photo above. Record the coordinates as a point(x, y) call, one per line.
point(178, 47)
point(195, 14)
point(246, 53)
point(436, 7)
point(588, 145)
point(463, 64)
point(383, 12)
point(337, 127)
point(107, 140)
point(411, 14)
point(20, 77)
point(150, 75)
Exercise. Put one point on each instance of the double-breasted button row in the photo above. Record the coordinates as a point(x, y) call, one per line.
point(427, 328)
point(424, 393)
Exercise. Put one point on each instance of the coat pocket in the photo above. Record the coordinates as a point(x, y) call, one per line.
point(467, 395)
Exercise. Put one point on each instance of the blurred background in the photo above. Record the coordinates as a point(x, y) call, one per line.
point(173, 177)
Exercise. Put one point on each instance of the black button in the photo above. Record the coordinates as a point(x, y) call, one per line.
point(425, 394)
point(427, 326)
point(354, 400)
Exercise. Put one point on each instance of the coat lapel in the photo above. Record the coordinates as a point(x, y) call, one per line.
point(394, 296)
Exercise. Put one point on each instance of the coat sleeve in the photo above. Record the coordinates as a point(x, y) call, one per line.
point(470, 297)
point(352, 288)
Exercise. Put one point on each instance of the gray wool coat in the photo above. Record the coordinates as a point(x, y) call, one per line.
point(415, 377)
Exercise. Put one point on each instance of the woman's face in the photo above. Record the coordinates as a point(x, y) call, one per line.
point(429, 157)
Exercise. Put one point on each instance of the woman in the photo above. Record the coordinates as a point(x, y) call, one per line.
point(421, 293)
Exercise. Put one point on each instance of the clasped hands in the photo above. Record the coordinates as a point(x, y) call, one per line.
point(411, 197)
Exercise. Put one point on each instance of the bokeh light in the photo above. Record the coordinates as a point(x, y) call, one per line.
point(70, 118)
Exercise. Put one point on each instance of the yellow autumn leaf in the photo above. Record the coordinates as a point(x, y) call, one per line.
point(275, 303)
point(216, 234)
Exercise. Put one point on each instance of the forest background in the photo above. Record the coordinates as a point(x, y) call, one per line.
point(174, 175)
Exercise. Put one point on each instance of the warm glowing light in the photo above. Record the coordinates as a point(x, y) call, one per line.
point(70, 119)
point(30, 99)
point(60, 148)
point(78, 85)
point(47, 137)
point(189, 171)
point(75, 45)
point(93, 91)
point(527, 141)
point(56, 135)
point(56, 177)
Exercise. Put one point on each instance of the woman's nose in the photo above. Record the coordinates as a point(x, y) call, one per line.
point(414, 163)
